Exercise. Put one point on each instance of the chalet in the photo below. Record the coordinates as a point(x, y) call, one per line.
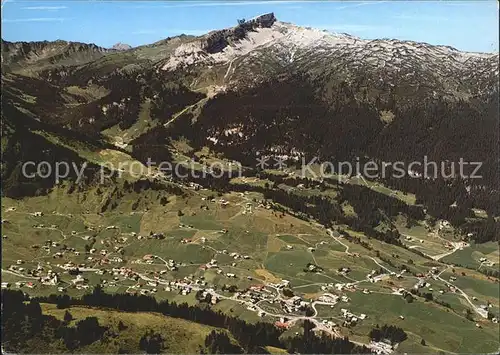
point(78, 280)
point(281, 325)
point(312, 267)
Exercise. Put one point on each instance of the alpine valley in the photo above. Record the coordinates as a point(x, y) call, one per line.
point(241, 249)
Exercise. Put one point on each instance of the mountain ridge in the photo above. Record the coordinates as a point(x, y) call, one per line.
point(215, 41)
point(265, 20)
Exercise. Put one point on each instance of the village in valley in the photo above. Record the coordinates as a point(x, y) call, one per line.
point(236, 253)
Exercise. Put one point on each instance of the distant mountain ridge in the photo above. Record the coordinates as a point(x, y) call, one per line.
point(121, 46)
point(46, 53)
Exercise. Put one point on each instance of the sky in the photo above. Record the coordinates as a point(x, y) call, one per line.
point(465, 25)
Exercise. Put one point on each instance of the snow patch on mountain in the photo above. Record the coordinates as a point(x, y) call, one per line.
point(278, 34)
point(290, 39)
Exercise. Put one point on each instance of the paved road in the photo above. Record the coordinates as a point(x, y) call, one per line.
point(483, 315)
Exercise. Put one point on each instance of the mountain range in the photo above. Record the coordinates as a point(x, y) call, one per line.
point(260, 87)
point(241, 248)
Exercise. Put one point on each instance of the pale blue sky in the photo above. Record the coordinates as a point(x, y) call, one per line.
point(466, 25)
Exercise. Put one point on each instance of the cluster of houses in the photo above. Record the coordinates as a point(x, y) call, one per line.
point(344, 287)
point(255, 294)
point(313, 268)
point(248, 208)
point(50, 279)
point(150, 259)
point(282, 323)
point(411, 239)
point(381, 347)
point(293, 304)
point(443, 224)
point(19, 284)
point(183, 287)
point(80, 282)
point(421, 283)
point(350, 318)
point(195, 186)
point(213, 298)
point(250, 296)
point(329, 298)
point(486, 262)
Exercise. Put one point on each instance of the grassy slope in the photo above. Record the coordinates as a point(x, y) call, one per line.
point(440, 329)
point(180, 336)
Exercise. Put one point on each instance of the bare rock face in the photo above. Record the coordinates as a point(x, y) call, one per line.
point(216, 41)
point(266, 20)
point(121, 46)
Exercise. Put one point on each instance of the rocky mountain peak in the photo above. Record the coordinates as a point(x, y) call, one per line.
point(265, 20)
point(121, 46)
point(216, 41)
